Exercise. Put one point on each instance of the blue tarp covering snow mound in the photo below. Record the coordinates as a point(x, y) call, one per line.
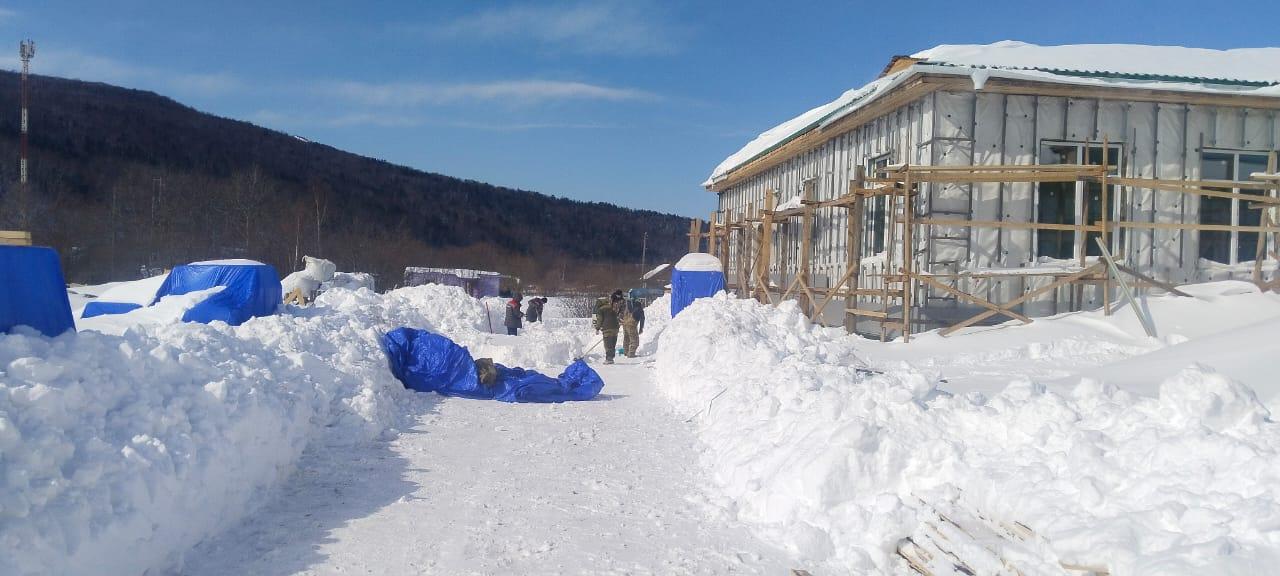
point(252, 289)
point(103, 308)
point(697, 275)
point(32, 291)
point(428, 362)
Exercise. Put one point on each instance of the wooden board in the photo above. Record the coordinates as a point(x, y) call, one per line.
point(15, 238)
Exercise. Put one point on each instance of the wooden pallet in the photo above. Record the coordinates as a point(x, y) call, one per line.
point(952, 540)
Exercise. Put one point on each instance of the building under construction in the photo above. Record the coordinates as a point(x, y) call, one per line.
point(976, 184)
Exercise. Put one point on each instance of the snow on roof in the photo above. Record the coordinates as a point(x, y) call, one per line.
point(228, 262)
point(459, 272)
point(699, 262)
point(655, 271)
point(1254, 71)
point(1202, 64)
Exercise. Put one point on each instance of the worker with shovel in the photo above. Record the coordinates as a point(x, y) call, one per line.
point(606, 322)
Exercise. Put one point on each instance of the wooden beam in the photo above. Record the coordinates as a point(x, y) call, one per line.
point(1004, 224)
point(983, 302)
point(15, 238)
point(695, 238)
point(853, 245)
point(1029, 295)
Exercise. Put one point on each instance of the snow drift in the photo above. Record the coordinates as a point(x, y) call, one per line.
point(118, 453)
point(834, 463)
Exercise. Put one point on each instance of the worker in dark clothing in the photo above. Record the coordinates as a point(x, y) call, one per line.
point(514, 315)
point(534, 313)
point(607, 322)
point(632, 326)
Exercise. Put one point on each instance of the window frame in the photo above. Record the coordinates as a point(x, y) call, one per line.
point(1080, 202)
point(1233, 242)
point(877, 212)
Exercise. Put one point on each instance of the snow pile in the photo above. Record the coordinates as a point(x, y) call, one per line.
point(833, 464)
point(315, 272)
point(167, 310)
point(350, 281)
point(118, 453)
point(656, 317)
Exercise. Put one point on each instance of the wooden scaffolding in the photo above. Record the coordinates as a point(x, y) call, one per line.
point(745, 242)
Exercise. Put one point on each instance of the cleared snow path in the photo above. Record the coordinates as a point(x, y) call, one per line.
point(611, 486)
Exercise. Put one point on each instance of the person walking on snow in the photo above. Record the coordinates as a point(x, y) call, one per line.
point(606, 321)
point(514, 314)
point(632, 326)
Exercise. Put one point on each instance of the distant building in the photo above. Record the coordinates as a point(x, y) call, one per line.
point(477, 283)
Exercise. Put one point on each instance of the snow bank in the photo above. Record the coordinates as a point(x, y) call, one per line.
point(118, 453)
point(833, 464)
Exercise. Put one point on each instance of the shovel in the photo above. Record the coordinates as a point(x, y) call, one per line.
point(588, 350)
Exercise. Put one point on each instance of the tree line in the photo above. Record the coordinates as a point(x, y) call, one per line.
point(124, 181)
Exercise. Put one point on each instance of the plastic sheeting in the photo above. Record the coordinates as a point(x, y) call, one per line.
point(697, 275)
point(251, 289)
point(32, 291)
point(103, 308)
point(428, 362)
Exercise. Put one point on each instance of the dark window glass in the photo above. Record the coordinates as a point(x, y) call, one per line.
point(1057, 205)
point(1216, 246)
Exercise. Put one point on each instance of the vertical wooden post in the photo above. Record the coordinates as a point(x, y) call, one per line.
point(1106, 209)
point(712, 246)
point(766, 247)
point(853, 246)
point(695, 231)
point(725, 229)
point(1265, 221)
point(806, 247)
point(908, 253)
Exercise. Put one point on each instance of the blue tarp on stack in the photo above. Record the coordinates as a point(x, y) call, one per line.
point(428, 362)
point(697, 275)
point(251, 289)
point(32, 291)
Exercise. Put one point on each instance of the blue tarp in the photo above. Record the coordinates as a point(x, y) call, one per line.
point(251, 290)
point(428, 362)
point(103, 308)
point(32, 291)
point(695, 276)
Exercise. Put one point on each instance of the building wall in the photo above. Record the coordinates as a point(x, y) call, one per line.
point(962, 128)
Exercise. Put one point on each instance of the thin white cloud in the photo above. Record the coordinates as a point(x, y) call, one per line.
point(82, 66)
point(601, 27)
point(512, 91)
point(6, 14)
point(286, 120)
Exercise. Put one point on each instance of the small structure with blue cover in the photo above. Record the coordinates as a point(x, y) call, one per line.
point(32, 291)
point(428, 362)
point(697, 275)
point(250, 289)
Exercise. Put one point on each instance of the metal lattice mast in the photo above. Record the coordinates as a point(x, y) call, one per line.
point(26, 51)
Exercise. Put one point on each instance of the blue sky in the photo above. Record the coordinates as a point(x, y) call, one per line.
point(629, 102)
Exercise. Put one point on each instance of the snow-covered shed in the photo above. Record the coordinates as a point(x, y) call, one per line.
point(1198, 123)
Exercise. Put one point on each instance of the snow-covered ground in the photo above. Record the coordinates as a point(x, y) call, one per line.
point(1140, 455)
point(744, 440)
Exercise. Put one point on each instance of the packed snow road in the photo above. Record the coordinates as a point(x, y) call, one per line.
point(610, 486)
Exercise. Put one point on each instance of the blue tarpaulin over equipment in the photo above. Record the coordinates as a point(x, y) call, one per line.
point(251, 289)
point(697, 275)
point(32, 291)
point(428, 362)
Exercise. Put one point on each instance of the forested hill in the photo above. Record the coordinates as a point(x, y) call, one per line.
point(122, 179)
